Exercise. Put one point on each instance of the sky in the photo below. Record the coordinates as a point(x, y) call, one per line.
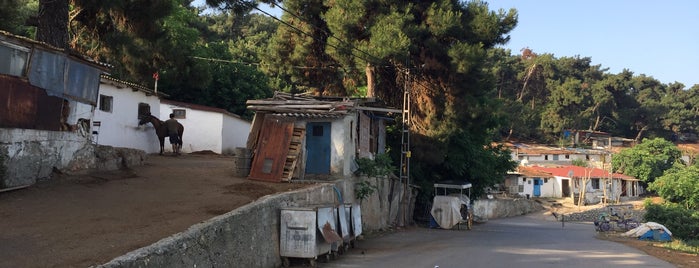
point(656, 38)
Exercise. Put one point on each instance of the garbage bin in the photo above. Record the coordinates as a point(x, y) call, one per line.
point(300, 235)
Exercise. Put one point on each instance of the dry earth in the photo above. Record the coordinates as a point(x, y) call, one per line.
point(89, 219)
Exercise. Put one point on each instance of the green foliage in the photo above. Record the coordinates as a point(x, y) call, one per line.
point(647, 160)
point(580, 163)
point(682, 222)
point(364, 189)
point(380, 166)
point(689, 246)
point(14, 14)
point(679, 184)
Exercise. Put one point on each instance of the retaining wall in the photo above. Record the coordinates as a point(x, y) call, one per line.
point(501, 208)
point(249, 235)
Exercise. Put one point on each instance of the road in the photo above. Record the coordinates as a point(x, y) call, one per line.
point(525, 241)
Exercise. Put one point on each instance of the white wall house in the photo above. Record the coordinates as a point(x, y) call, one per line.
point(116, 117)
point(206, 128)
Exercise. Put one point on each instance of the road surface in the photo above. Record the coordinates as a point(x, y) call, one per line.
point(525, 241)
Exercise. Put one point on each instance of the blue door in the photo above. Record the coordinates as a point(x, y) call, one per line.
point(537, 187)
point(318, 148)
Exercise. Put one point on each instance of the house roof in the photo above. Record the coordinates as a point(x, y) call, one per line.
point(199, 107)
point(532, 172)
point(303, 105)
point(580, 172)
point(538, 149)
point(118, 83)
point(7, 36)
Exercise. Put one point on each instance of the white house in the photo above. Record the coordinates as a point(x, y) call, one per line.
point(206, 128)
point(528, 181)
point(117, 115)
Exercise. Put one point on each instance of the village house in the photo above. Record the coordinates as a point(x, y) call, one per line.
point(534, 154)
point(119, 108)
point(530, 182)
point(598, 185)
point(47, 97)
point(207, 128)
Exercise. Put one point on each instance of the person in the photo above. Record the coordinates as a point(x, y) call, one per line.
point(171, 125)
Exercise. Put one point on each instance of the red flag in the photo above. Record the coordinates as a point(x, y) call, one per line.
point(156, 76)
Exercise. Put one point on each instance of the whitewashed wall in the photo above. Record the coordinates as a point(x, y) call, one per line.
point(202, 129)
point(119, 128)
point(343, 145)
point(235, 133)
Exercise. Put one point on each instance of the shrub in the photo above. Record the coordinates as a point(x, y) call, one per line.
point(682, 222)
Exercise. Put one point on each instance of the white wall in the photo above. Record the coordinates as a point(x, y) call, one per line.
point(202, 129)
point(119, 128)
point(343, 145)
point(552, 187)
point(235, 133)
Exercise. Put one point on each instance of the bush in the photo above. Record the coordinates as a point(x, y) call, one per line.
point(380, 166)
point(682, 222)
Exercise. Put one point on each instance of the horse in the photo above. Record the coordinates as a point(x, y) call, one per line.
point(160, 129)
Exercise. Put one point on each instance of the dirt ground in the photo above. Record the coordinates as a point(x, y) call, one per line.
point(655, 249)
point(89, 219)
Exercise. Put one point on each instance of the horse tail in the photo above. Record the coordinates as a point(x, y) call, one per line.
point(180, 130)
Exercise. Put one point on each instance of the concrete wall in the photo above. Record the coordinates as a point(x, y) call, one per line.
point(29, 155)
point(501, 208)
point(235, 133)
point(249, 236)
point(32, 154)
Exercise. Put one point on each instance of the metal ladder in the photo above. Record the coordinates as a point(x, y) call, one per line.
point(405, 154)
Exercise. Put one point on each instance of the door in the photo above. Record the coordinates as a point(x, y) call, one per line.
point(565, 184)
point(272, 148)
point(537, 187)
point(318, 148)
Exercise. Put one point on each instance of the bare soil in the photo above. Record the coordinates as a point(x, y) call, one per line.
point(89, 219)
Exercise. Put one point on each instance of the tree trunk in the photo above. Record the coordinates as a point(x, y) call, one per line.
point(370, 91)
point(53, 23)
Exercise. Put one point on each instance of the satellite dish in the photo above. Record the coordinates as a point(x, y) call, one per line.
point(570, 173)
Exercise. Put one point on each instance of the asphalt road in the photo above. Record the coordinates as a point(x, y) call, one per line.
point(525, 241)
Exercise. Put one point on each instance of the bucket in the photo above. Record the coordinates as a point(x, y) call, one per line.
point(242, 162)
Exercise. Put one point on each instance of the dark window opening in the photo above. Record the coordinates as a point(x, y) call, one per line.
point(595, 184)
point(180, 113)
point(143, 109)
point(317, 131)
point(106, 103)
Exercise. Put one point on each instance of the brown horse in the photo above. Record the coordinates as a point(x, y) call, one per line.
point(160, 129)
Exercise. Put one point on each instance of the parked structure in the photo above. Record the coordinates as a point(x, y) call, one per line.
point(207, 128)
point(47, 97)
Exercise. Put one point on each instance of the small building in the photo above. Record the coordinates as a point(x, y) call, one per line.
point(531, 182)
point(535, 154)
point(598, 185)
point(314, 137)
point(47, 96)
point(206, 128)
point(116, 118)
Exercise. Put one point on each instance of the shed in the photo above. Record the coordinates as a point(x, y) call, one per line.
point(304, 137)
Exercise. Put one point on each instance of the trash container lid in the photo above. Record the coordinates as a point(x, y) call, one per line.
point(453, 184)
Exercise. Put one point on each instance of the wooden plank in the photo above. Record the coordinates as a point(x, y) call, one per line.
point(273, 146)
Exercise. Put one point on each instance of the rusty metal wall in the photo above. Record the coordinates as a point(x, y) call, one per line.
point(29, 107)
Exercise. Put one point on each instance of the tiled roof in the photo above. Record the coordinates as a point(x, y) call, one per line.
point(199, 107)
point(580, 172)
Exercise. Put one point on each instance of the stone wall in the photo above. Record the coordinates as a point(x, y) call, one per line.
point(249, 236)
point(31, 155)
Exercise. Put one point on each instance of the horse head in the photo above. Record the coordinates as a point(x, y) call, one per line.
point(144, 119)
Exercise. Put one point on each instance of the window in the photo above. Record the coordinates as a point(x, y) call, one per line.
point(546, 157)
point(595, 183)
point(317, 131)
point(143, 109)
point(15, 59)
point(106, 103)
point(567, 156)
point(520, 188)
point(555, 157)
point(179, 113)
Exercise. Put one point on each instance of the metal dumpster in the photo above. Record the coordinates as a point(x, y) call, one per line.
point(354, 215)
point(343, 218)
point(300, 235)
point(327, 225)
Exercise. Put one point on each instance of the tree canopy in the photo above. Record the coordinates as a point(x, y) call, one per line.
point(647, 160)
